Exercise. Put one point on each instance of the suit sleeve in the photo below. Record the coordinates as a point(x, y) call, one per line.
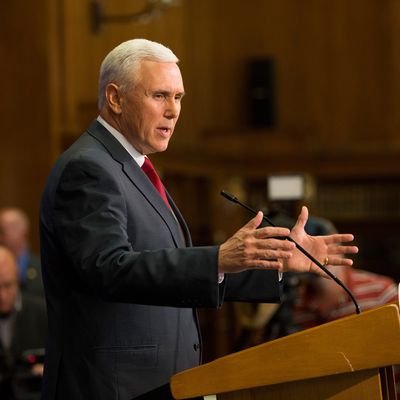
point(90, 223)
point(253, 286)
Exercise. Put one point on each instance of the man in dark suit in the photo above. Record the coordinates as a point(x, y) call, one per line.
point(121, 277)
point(23, 331)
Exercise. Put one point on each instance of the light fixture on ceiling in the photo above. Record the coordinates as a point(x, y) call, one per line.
point(151, 10)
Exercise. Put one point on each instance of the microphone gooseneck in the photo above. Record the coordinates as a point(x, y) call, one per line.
point(234, 199)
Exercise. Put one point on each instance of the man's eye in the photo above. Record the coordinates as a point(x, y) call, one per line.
point(159, 96)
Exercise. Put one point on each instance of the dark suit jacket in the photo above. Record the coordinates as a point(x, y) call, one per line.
point(120, 277)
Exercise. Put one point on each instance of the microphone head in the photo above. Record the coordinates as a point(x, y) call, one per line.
point(229, 196)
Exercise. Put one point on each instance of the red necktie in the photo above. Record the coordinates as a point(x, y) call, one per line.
point(149, 170)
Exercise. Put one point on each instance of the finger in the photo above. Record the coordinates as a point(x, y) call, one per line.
point(333, 262)
point(267, 264)
point(337, 249)
point(339, 238)
point(340, 261)
point(274, 244)
point(272, 254)
point(269, 231)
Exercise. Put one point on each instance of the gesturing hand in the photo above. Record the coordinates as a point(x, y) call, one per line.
point(252, 248)
point(328, 248)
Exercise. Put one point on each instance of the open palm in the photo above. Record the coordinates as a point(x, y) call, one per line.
point(329, 250)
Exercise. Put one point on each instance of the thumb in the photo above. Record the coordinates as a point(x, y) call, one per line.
point(302, 218)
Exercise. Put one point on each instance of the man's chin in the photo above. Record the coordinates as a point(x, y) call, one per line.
point(161, 147)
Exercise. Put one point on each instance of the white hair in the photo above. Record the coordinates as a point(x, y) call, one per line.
point(120, 63)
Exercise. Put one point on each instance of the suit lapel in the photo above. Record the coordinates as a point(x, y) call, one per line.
point(141, 181)
point(138, 178)
point(185, 233)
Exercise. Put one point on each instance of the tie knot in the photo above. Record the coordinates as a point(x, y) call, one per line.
point(148, 166)
point(151, 173)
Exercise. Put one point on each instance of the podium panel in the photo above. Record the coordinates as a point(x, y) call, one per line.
point(359, 385)
point(349, 358)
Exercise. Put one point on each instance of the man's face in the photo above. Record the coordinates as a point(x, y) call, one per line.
point(151, 107)
point(8, 284)
point(12, 233)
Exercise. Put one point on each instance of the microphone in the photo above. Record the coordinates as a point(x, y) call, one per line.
point(234, 199)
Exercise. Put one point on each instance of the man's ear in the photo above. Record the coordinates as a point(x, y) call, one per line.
point(113, 98)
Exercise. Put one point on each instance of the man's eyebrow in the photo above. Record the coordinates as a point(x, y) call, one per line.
point(166, 92)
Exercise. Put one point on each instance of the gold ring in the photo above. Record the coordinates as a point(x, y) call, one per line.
point(326, 262)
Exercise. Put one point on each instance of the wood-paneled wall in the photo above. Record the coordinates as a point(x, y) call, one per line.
point(25, 146)
point(337, 99)
point(337, 90)
point(337, 81)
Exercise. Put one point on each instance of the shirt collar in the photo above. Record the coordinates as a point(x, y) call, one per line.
point(138, 157)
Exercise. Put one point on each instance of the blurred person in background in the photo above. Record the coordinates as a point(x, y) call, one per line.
point(14, 234)
point(23, 331)
point(323, 300)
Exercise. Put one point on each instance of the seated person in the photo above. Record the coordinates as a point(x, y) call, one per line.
point(323, 300)
point(14, 234)
point(23, 330)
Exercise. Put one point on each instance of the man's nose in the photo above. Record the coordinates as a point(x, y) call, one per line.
point(172, 108)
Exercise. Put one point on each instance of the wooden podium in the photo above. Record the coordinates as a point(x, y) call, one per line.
point(350, 358)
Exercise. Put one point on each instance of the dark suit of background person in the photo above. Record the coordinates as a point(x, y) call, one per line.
point(24, 357)
point(121, 279)
point(23, 331)
point(30, 327)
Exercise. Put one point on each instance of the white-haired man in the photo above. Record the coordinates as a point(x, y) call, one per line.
point(122, 279)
